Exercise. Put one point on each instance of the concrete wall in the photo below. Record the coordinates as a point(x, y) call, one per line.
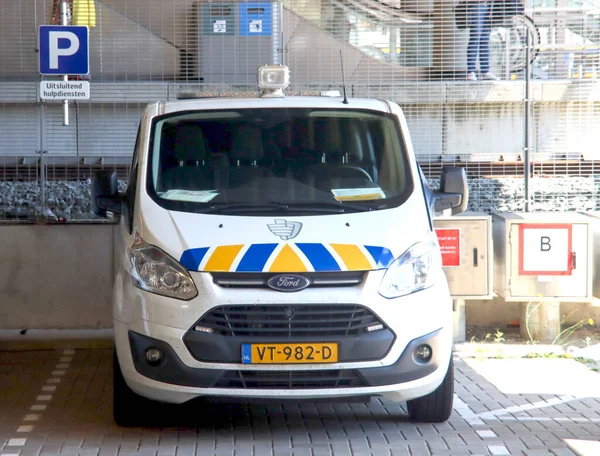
point(56, 276)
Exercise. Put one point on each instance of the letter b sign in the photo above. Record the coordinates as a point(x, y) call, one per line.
point(64, 50)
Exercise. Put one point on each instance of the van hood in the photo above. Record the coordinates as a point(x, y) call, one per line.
point(326, 243)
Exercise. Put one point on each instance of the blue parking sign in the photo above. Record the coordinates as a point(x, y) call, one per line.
point(64, 49)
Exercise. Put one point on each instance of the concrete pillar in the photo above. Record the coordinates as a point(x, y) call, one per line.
point(449, 43)
point(542, 320)
point(460, 321)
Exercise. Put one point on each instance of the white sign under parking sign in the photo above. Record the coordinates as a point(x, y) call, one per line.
point(545, 249)
point(64, 90)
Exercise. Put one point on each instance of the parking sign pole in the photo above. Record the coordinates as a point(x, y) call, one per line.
point(42, 152)
point(63, 15)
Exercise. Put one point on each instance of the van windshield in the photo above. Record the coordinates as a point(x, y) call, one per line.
point(281, 160)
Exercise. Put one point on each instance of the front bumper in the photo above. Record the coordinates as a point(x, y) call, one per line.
point(164, 321)
point(173, 381)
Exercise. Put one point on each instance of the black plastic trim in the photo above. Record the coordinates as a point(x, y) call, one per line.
point(217, 348)
point(173, 371)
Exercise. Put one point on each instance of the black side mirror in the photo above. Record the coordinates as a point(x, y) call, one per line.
point(105, 193)
point(454, 191)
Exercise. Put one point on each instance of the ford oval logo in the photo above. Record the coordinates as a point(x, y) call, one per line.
point(288, 282)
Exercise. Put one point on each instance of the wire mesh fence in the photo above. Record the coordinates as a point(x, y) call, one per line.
point(457, 68)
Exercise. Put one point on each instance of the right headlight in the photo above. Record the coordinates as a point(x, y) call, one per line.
point(416, 269)
point(155, 271)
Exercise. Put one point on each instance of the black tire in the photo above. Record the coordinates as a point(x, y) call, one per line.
point(436, 407)
point(129, 409)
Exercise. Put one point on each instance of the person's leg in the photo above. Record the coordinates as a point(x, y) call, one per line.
point(484, 40)
point(475, 24)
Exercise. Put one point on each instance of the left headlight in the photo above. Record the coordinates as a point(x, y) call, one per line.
point(155, 271)
point(416, 269)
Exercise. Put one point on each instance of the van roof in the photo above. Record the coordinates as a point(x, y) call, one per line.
point(267, 102)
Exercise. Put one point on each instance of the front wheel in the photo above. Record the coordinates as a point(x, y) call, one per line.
point(436, 407)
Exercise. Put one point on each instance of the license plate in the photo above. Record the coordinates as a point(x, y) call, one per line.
point(289, 353)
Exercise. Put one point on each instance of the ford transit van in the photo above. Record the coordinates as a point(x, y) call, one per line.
point(279, 247)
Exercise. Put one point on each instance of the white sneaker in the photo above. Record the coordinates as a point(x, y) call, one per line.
point(489, 77)
point(471, 77)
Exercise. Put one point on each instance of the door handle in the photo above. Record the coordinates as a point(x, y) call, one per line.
point(573, 261)
point(475, 259)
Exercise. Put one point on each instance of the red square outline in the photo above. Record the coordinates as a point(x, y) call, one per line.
point(561, 226)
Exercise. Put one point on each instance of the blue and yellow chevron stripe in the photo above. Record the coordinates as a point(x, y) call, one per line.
point(287, 257)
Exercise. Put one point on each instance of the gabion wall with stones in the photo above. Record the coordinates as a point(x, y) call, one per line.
point(70, 200)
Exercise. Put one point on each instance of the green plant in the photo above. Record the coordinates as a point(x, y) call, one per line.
point(528, 312)
point(498, 337)
point(564, 335)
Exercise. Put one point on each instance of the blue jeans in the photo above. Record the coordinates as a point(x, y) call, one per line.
point(479, 36)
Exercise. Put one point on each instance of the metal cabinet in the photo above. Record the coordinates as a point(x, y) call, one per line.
point(467, 256)
point(543, 256)
point(595, 261)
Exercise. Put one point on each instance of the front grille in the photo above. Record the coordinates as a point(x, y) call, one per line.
point(289, 320)
point(290, 379)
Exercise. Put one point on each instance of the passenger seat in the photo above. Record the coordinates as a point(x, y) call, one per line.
point(246, 152)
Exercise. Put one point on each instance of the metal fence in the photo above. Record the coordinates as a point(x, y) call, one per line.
point(414, 52)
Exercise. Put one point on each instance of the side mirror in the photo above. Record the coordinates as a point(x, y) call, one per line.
point(454, 191)
point(105, 193)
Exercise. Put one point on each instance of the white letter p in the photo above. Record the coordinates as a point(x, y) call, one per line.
point(55, 52)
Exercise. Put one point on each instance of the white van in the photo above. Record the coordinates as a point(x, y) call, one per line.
point(280, 248)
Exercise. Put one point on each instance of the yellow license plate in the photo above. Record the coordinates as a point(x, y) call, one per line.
point(289, 353)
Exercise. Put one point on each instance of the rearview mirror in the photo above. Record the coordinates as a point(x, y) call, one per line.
point(105, 193)
point(454, 191)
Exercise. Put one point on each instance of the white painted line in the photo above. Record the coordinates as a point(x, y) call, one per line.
point(16, 442)
point(466, 413)
point(584, 447)
point(526, 407)
point(545, 418)
point(498, 450)
point(486, 434)
point(49, 387)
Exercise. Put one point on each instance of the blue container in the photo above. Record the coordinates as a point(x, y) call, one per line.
point(256, 19)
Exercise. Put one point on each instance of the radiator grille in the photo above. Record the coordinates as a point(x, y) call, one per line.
point(289, 320)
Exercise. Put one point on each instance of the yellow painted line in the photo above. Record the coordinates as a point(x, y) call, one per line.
point(287, 261)
point(352, 256)
point(223, 257)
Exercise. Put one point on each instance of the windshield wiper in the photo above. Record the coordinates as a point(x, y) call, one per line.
point(334, 206)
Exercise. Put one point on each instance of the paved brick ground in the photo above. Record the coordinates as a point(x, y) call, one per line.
point(56, 402)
